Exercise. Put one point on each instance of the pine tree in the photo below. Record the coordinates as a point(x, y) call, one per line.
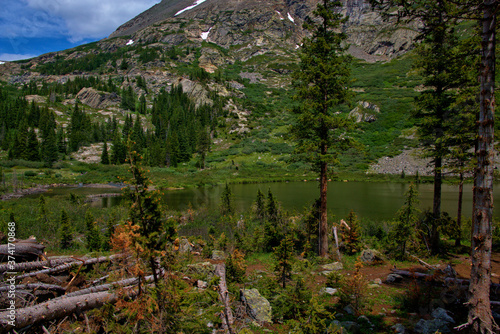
point(260, 210)
point(92, 235)
point(104, 154)
point(32, 149)
point(145, 212)
point(272, 208)
point(49, 150)
point(226, 201)
point(284, 256)
point(322, 86)
point(65, 231)
point(352, 234)
point(405, 232)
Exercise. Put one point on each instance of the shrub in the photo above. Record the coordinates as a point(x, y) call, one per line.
point(236, 267)
point(29, 173)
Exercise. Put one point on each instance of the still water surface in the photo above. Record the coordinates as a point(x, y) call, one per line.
point(376, 201)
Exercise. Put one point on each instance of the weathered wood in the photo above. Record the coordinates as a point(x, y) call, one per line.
point(28, 266)
point(21, 251)
point(35, 286)
point(66, 266)
point(109, 286)
point(57, 308)
point(227, 314)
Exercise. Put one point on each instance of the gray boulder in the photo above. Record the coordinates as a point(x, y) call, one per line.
point(218, 255)
point(335, 266)
point(185, 246)
point(393, 278)
point(431, 326)
point(371, 256)
point(258, 307)
point(399, 329)
point(442, 314)
point(206, 269)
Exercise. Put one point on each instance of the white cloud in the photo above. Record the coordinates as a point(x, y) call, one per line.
point(13, 56)
point(81, 19)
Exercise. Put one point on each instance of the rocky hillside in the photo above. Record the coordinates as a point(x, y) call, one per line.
point(263, 25)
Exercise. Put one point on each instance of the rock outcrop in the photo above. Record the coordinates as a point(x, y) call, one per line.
point(96, 99)
point(262, 26)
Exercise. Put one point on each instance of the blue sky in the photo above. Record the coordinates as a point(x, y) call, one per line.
point(29, 28)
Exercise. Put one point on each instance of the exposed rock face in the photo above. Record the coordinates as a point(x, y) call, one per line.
point(261, 26)
point(97, 100)
point(364, 112)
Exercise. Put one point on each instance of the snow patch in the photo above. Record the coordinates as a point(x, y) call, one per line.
point(196, 3)
point(291, 18)
point(2, 62)
point(297, 46)
point(204, 35)
point(130, 42)
point(281, 16)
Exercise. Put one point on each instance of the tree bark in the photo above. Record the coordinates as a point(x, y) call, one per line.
point(436, 205)
point(458, 238)
point(480, 317)
point(22, 251)
point(323, 222)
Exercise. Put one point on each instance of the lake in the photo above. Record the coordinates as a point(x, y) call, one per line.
point(374, 200)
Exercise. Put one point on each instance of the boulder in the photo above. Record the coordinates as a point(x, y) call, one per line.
point(218, 255)
point(185, 246)
point(399, 329)
point(393, 278)
point(431, 326)
point(206, 269)
point(335, 266)
point(330, 291)
point(202, 284)
point(442, 314)
point(371, 256)
point(258, 307)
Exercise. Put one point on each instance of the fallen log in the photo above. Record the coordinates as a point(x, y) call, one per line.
point(66, 266)
point(57, 308)
point(28, 266)
point(447, 280)
point(109, 286)
point(26, 250)
point(34, 286)
point(227, 314)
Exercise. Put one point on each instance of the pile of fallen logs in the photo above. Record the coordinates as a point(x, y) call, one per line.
point(43, 291)
point(38, 291)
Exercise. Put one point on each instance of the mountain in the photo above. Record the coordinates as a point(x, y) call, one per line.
point(263, 24)
point(236, 56)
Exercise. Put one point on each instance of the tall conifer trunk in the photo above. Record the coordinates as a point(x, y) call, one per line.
point(480, 316)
